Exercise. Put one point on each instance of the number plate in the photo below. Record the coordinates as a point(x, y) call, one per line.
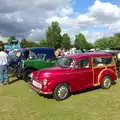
point(37, 84)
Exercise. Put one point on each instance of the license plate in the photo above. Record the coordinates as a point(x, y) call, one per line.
point(37, 84)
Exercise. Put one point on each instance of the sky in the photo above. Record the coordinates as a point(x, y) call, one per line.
point(29, 19)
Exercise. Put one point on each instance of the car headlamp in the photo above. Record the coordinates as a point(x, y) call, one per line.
point(45, 81)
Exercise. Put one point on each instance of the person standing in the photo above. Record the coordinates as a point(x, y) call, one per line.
point(3, 66)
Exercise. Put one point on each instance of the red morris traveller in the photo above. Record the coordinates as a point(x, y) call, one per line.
point(74, 73)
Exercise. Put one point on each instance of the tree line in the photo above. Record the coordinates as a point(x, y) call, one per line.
point(55, 39)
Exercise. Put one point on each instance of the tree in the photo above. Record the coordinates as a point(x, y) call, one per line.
point(43, 43)
point(102, 43)
point(90, 46)
point(108, 42)
point(53, 35)
point(66, 43)
point(81, 42)
point(11, 38)
point(23, 43)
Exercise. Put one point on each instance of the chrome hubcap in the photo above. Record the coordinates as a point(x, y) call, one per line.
point(62, 92)
point(107, 82)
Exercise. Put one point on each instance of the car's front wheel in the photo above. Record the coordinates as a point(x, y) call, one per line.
point(106, 82)
point(61, 92)
point(26, 75)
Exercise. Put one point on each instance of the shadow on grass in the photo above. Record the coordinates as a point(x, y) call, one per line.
point(76, 93)
point(87, 90)
point(45, 96)
point(13, 81)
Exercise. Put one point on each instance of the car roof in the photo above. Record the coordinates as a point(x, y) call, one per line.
point(92, 54)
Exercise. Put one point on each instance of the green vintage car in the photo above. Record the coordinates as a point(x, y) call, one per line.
point(34, 65)
point(45, 58)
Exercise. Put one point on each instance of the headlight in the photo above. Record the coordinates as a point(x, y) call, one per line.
point(45, 81)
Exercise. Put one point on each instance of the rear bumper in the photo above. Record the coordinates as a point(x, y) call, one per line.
point(39, 91)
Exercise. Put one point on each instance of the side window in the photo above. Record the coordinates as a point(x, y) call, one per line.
point(84, 63)
point(107, 61)
point(97, 62)
point(102, 61)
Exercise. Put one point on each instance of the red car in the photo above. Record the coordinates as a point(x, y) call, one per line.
point(74, 73)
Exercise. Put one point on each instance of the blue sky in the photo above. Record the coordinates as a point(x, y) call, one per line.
point(81, 6)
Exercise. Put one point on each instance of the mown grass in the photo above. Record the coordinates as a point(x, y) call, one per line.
point(19, 102)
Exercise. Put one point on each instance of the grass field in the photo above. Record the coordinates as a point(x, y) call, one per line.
point(19, 102)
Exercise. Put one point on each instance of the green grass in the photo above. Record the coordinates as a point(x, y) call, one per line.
point(19, 102)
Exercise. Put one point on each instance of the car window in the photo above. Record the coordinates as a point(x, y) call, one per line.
point(84, 63)
point(102, 61)
point(41, 56)
point(68, 62)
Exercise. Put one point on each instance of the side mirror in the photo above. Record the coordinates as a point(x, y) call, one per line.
point(76, 67)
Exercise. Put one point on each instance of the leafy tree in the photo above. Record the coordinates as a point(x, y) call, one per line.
point(108, 42)
point(43, 43)
point(81, 42)
point(90, 46)
point(12, 38)
point(66, 43)
point(24, 43)
point(53, 35)
point(27, 43)
point(102, 43)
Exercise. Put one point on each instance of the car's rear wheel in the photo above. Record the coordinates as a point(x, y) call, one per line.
point(26, 75)
point(106, 82)
point(61, 92)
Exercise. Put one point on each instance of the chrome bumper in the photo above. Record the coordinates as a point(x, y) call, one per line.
point(35, 89)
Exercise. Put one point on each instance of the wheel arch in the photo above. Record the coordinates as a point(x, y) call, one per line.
point(30, 68)
point(107, 72)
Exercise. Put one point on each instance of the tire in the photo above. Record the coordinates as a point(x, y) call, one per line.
point(57, 94)
point(26, 75)
point(106, 82)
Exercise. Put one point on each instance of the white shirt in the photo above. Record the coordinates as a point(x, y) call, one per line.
point(3, 58)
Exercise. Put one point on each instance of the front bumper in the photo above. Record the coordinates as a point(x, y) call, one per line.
point(39, 91)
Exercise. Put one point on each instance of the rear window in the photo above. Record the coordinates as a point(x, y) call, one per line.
point(97, 61)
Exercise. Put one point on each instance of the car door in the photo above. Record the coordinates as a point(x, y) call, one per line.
point(83, 74)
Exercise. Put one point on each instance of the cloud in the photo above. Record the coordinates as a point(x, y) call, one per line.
point(29, 19)
point(100, 13)
point(36, 34)
point(21, 16)
point(3, 39)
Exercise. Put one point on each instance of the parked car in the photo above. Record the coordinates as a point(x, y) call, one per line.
point(74, 73)
point(45, 58)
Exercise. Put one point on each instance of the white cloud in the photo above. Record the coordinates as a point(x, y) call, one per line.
point(4, 39)
point(99, 13)
point(36, 35)
point(21, 16)
point(29, 19)
point(63, 21)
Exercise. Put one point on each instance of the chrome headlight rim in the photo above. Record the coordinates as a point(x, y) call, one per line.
point(45, 81)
